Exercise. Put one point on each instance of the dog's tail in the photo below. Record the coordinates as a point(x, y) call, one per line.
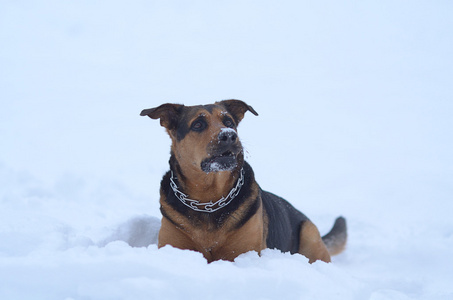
point(335, 240)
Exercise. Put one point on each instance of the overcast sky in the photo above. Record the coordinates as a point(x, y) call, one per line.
point(344, 89)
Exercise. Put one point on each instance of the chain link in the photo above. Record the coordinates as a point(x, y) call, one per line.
point(210, 206)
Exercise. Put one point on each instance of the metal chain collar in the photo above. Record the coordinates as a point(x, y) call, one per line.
point(210, 206)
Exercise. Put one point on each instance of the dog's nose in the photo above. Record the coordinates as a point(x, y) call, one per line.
point(227, 137)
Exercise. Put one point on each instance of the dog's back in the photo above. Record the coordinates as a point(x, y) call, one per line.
point(284, 223)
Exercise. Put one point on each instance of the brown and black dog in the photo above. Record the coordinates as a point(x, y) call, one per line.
point(210, 200)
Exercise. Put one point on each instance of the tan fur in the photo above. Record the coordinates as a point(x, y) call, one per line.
point(227, 241)
point(192, 150)
point(337, 249)
point(224, 243)
point(311, 244)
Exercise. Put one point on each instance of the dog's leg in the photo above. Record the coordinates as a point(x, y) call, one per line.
point(248, 238)
point(169, 234)
point(311, 244)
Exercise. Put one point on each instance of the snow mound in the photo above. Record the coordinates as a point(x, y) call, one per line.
point(140, 231)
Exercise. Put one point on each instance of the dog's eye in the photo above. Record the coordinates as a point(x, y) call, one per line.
point(228, 123)
point(198, 125)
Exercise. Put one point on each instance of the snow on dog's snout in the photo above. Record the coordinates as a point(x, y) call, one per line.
point(227, 129)
point(224, 132)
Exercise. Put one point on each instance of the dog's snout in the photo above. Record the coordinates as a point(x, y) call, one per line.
point(227, 137)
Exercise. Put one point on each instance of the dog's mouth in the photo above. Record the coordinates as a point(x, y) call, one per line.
point(226, 161)
point(227, 154)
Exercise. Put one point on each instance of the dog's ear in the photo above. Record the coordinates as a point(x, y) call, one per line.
point(167, 113)
point(237, 108)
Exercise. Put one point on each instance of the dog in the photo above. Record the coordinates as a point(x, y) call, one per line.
point(210, 201)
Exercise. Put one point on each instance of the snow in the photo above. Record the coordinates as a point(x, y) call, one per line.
point(355, 120)
point(225, 130)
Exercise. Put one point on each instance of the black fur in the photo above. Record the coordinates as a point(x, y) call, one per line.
point(183, 126)
point(215, 219)
point(284, 223)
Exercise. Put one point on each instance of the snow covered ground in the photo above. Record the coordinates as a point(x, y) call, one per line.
point(355, 104)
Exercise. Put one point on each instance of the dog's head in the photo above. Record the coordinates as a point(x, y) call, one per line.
point(204, 137)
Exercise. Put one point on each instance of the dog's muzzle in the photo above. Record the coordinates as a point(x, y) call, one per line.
point(223, 156)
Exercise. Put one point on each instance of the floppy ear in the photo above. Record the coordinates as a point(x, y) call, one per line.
point(237, 108)
point(167, 113)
